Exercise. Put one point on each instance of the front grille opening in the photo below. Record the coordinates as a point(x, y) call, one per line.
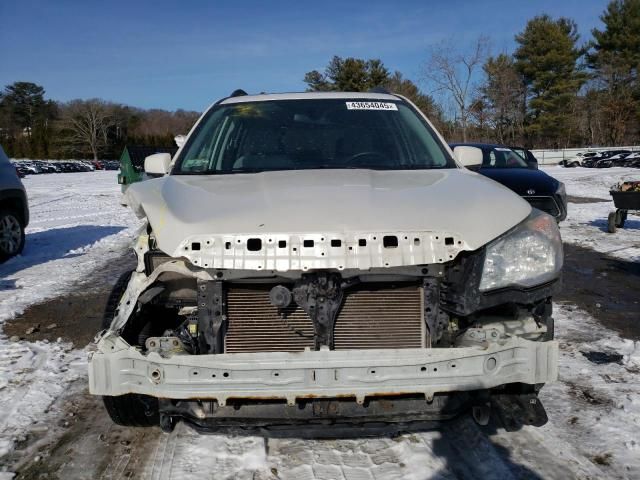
point(282, 244)
point(336, 243)
point(308, 243)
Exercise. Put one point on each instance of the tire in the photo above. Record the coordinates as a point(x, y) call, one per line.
point(611, 223)
point(621, 217)
point(114, 298)
point(130, 410)
point(133, 410)
point(11, 234)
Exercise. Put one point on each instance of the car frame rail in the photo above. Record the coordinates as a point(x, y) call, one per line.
point(116, 368)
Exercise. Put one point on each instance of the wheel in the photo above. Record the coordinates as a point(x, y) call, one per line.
point(611, 222)
point(130, 410)
point(11, 234)
point(621, 217)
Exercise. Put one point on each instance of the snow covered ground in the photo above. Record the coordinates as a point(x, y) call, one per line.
point(78, 226)
point(586, 223)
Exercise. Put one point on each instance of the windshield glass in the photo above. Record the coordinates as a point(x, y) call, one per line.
point(311, 134)
point(500, 157)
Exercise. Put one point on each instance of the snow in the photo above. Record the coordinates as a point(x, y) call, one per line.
point(586, 223)
point(603, 400)
point(78, 226)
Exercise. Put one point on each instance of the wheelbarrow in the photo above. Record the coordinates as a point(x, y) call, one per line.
point(623, 201)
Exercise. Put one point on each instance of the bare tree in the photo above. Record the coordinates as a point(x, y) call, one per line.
point(88, 123)
point(503, 92)
point(451, 72)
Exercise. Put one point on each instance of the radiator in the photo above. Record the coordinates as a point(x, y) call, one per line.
point(371, 317)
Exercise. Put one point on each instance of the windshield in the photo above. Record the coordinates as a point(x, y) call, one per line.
point(311, 134)
point(500, 157)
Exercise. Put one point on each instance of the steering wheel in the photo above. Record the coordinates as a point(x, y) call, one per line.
point(359, 158)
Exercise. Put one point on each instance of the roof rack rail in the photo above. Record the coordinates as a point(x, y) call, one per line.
point(379, 89)
point(238, 93)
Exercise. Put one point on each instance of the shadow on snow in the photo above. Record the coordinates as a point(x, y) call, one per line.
point(48, 245)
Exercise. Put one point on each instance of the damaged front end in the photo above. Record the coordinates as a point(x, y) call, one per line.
point(232, 334)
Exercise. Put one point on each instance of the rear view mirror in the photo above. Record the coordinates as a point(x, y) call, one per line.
point(157, 164)
point(468, 156)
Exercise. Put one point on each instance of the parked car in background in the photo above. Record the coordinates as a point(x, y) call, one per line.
point(594, 160)
point(509, 168)
point(14, 210)
point(578, 159)
point(528, 157)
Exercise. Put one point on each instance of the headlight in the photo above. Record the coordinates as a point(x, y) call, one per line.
point(528, 255)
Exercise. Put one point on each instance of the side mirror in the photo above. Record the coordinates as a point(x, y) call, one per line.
point(157, 164)
point(533, 164)
point(180, 139)
point(468, 156)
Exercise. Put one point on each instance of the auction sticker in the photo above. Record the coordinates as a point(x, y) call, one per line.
point(371, 106)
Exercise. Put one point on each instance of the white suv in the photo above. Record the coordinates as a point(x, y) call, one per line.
point(321, 257)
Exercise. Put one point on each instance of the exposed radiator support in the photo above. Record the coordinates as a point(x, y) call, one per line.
point(372, 316)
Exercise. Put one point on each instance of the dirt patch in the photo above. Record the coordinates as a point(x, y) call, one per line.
point(603, 459)
point(604, 286)
point(86, 444)
point(74, 317)
point(572, 199)
point(602, 358)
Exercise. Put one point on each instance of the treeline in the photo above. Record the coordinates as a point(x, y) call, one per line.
point(552, 92)
point(34, 127)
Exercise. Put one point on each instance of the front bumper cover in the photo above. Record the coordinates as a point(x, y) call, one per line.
point(117, 369)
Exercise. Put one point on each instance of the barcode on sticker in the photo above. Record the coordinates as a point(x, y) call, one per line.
point(371, 106)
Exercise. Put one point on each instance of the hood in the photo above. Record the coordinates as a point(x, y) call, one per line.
point(522, 180)
point(191, 213)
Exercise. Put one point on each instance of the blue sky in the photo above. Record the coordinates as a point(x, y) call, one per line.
point(172, 54)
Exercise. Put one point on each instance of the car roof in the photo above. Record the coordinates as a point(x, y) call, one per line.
point(484, 146)
point(310, 96)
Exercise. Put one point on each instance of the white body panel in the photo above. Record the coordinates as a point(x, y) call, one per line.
point(221, 212)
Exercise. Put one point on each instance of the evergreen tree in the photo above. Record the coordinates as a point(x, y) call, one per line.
point(547, 58)
point(503, 95)
point(348, 75)
point(616, 60)
point(26, 119)
point(405, 87)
